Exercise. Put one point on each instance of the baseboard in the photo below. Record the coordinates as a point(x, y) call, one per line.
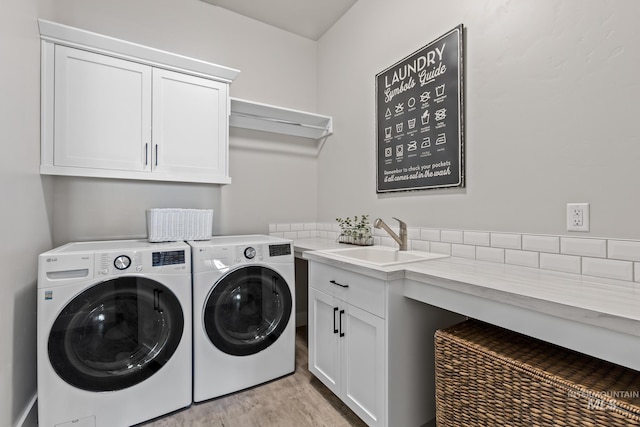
point(29, 417)
point(431, 423)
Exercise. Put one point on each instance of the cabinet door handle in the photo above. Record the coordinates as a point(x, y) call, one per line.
point(339, 284)
point(146, 154)
point(335, 310)
point(156, 154)
point(341, 313)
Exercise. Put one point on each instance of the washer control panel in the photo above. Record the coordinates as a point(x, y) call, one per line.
point(248, 253)
point(115, 263)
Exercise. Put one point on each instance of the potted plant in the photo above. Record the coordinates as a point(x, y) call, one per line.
point(355, 231)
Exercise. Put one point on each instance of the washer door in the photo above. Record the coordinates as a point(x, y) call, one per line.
point(247, 310)
point(116, 334)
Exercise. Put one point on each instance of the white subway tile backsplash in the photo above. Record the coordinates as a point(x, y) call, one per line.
point(478, 238)
point(387, 241)
point(583, 247)
point(413, 233)
point(556, 262)
point(463, 251)
point(441, 248)
point(281, 228)
point(612, 258)
point(624, 250)
point(522, 258)
point(550, 244)
point(490, 254)
point(609, 268)
point(290, 235)
point(420, 245)
point(451, 236)
point(430, 234)
point(507, 241)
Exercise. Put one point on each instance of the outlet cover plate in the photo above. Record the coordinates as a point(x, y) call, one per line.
point(577, 216)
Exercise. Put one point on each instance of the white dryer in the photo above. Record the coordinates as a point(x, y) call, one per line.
point(243, 317)
point(114, 333)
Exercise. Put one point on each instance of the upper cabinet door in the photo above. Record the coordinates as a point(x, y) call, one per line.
point(102, 112)
point(190, 126)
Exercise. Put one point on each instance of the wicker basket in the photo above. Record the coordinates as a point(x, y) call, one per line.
point(489, 376)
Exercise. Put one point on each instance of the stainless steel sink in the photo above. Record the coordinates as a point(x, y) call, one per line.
point(383, 256)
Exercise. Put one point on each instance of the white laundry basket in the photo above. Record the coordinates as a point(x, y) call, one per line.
point(173, 224)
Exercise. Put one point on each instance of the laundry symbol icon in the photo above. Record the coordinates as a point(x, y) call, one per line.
point(388, 152)
point(411, 123)
point(425, 117)
point(412, 146)
point(387, 114)
point(441, 114)
point(387, 132)
point(399, 127)
point(399, 108)
point(441, 139)
point(399, 150)
point(440, 90)
point(425, 96)
point(426, 142)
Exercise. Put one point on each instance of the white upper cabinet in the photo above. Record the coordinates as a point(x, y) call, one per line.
point(102, 117)
point(114, 109)
point(188, 114)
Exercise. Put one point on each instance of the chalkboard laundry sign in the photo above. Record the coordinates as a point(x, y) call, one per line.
point(419, 114)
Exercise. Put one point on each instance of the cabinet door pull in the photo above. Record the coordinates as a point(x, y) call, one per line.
point(335, 310)
point(341, 313)
point(156, 154)
point(146, 154)
point(339, 284)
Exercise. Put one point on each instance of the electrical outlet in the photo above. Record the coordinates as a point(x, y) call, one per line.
point(577, 216)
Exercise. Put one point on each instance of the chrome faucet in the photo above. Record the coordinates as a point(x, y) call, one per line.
point(400, 240)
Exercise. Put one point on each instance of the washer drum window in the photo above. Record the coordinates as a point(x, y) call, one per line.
point(247, 310)
point(116, 334)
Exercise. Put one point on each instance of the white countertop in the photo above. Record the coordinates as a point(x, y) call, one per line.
point(602, 305)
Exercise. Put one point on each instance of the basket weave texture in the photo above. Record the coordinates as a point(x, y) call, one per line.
point(489, 376)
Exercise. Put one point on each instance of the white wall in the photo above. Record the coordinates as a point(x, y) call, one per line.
point(41, 212)
point(551, 113)
point(24, 223)
point(276, 67)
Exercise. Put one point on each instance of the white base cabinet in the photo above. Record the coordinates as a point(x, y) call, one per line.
point(348, 356)
point(373, 347)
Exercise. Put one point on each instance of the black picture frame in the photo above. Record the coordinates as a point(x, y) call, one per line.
point(420, 118)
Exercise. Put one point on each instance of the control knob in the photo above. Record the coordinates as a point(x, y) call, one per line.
point(122, 262)
point(249, 253)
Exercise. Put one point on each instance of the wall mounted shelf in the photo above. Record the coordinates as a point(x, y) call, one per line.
point(269, 118)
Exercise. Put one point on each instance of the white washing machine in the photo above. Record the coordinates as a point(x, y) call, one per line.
point(114, 333)
point(243, 317)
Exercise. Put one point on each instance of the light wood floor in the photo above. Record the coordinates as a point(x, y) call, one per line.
point(297, 400)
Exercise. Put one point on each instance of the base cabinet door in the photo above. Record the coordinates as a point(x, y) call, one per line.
point(346, 352)
point(363, 366)
point(324, 355)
